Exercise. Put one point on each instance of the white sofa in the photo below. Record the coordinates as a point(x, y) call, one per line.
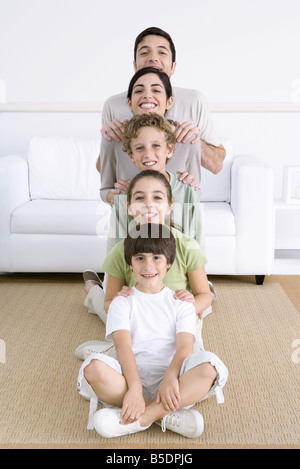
point(53, 220)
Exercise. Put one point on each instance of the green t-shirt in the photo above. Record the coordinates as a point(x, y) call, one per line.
point(189, 257)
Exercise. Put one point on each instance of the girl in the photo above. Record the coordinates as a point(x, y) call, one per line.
point(149, 199)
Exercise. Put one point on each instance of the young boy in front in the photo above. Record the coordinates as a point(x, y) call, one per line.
point(157, 375)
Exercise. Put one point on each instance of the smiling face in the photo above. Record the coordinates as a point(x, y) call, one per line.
point(149, 150)
point(149, 270)
point(154, 51)
point(149, 201)
point(149, 95)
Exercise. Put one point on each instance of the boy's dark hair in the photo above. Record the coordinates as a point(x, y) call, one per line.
point(153, 31)
point(150, 238)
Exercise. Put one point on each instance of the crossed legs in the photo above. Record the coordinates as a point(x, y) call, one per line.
point(111, 387)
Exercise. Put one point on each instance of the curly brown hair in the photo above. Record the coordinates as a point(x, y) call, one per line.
point(133, 127)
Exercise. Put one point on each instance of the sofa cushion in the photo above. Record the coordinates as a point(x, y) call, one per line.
point(64, 168)
point(76, 217)
point(81, 217)
point(217, 187)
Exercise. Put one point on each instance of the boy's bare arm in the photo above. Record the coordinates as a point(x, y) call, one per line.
point(122, 341)
point(184, 348)
point(133, 404)
point(168, 392)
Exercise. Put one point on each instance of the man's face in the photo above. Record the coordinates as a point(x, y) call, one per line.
point(154, 51)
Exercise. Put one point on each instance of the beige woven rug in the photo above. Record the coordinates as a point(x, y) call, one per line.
point(252, 328)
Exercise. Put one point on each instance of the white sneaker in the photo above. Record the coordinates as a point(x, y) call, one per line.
point(207, 311)
point(95, 346)
point(186, 422)
point(107, 424)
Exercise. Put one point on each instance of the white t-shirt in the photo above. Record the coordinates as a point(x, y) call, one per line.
point(153, 320)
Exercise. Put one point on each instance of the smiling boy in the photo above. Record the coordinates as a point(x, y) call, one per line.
point(148, 147)
point(156, 374)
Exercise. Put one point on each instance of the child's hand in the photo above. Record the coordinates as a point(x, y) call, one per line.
point(126, 291)
point(111, 194)
point(185, 295)
point(186, 177)
point(122, 185)
point(168, 393)
point(133, 406)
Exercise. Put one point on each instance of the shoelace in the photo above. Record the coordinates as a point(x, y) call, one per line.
point(91, 350)
point(171, 419)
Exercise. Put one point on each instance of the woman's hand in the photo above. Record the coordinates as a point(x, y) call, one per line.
point(185, 295)
point(125, 292)
point(185, 131)
point(113, 130)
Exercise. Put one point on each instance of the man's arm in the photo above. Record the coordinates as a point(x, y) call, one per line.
point(212, 157)
point(98, 164)
point(108, 152)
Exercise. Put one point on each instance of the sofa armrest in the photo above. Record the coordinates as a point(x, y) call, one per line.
point(252, 204)
point(14, 181)
point(14, 191)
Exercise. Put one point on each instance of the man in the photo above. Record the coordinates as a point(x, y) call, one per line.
point(155, 48)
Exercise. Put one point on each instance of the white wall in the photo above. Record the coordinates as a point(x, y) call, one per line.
point(82, 50)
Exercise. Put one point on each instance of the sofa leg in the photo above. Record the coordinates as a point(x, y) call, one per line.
point(259, 279)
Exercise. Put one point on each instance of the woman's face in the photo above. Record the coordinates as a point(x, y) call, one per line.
point(149, 95)
point(149, 201)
